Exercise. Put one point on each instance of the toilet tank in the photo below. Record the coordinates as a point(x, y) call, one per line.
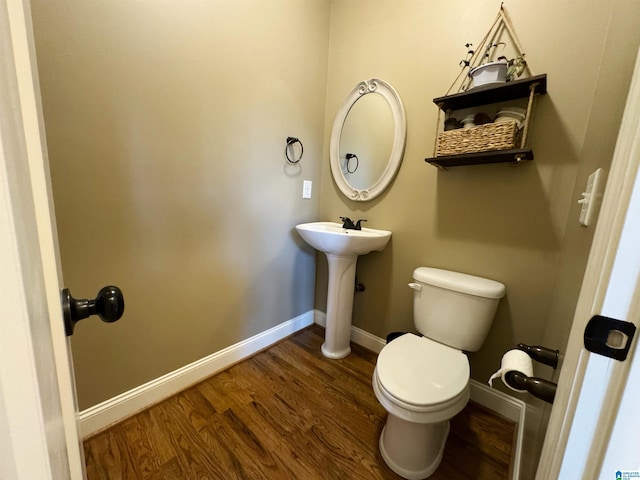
point(454, 308)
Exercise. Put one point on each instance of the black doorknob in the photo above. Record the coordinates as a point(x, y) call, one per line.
point(108, 305)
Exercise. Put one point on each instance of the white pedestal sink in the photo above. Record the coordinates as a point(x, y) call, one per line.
point(342, 247)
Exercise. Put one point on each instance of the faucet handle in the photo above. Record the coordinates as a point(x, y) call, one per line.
point(347, 223)
point(358, 226)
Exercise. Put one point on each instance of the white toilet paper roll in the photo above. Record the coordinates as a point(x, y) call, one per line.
point(513, 360)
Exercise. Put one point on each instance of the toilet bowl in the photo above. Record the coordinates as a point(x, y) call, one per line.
point(423, 380)
point(421, 384)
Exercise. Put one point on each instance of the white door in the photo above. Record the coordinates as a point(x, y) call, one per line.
point(38, 414)
point(591, 387)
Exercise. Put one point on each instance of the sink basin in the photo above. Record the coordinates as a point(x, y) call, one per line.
point(342, 247)
point(331, 238)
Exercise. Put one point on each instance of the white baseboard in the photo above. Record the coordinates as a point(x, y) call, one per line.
point(320, 318)
point(128, 403)
point(359, 336)
point(497, 401)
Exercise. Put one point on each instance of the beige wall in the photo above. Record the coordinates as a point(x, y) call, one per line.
point(166, 125)
point(517, 225)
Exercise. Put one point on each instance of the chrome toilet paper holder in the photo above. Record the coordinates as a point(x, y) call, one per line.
point(538, 387)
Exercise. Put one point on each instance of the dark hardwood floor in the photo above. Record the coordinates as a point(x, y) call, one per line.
point(286, 413)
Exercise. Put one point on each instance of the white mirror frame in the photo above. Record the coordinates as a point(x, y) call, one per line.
point(374, 85)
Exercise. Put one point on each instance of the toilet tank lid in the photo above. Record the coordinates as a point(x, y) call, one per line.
point(460, 282)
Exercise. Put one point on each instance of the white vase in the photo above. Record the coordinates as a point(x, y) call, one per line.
point(493, 72)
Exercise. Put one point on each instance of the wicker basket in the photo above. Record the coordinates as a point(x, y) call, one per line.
point(483, 138)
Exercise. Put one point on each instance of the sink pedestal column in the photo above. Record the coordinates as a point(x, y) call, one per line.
point(342, 278)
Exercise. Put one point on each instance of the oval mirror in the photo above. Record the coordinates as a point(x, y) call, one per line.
point(367, 140)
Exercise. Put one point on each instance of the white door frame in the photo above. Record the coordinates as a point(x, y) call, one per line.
point(590, 387)
point(38, 414)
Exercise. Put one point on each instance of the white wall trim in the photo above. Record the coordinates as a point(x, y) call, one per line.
point(497, 401)
point(115, 409)
point(366, 340)
point(359, 336)
point(320, 318)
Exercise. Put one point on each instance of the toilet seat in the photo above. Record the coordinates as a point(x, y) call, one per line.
point(419, 373)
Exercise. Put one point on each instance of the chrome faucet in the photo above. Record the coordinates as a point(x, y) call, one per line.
point(349, 225)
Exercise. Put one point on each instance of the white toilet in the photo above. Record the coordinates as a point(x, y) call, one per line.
point(423, 381)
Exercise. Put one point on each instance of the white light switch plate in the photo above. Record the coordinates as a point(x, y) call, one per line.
point(590, 198)
point(306, 188)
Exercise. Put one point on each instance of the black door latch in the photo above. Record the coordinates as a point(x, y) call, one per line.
point(609, 337)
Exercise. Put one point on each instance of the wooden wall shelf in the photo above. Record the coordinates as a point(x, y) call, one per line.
point(494, 156)
point(485, 95)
